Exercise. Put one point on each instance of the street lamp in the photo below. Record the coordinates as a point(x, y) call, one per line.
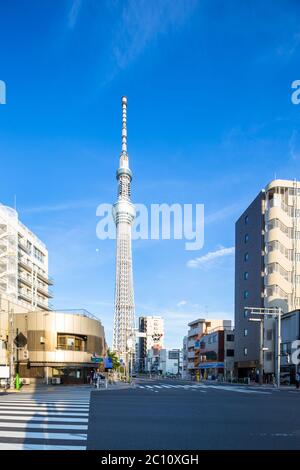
point(277, 312)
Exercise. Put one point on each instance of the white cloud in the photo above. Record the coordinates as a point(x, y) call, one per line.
point(210, 257)
point(60, 207)
point(182, 303)
point(142, 21)
point(74, 13)
point(294, 145)
point(222, 214)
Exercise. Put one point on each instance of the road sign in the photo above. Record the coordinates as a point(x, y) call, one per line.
point(97, 360)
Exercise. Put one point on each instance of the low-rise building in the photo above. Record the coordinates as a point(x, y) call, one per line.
point(216, 351)
point(197, 329)
point(44, 345)
point(164, 361)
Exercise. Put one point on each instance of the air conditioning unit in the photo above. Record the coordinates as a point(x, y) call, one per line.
point(25, 381)
point(56, 380)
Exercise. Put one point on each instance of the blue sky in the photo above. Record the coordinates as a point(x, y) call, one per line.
point(210, 120)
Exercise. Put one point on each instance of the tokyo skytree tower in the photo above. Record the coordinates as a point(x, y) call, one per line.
point(124, 214)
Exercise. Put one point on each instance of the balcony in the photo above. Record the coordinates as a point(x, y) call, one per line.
point(45, 292)
point(47, 280)
point(43, 305)
point(24, 247)
point(194, 332)
point(25, 264)
point(191, 365)
point(25, 280)
point(25, 296)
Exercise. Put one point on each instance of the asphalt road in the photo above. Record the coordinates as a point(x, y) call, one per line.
point(171, 415)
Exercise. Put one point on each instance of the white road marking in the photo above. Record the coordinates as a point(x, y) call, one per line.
point(28, 424)
point(24, 446)
point(43, 435)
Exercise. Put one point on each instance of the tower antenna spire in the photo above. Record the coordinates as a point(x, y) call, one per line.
point(124, 125)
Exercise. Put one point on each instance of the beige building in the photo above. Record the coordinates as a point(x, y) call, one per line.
point(267, 270)
point(199, 328)
point(23, 263)
point(49, 344)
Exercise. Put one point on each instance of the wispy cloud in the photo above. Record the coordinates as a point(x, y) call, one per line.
point(222, 213)
point(142, 21)
point(74, 13)
point(294, 145)
point(60, 207)
point(289, 48)
point(210, 257)
point(182, 303)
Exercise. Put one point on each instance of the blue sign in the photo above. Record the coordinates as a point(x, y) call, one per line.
point(108, 364)
point(211, 365)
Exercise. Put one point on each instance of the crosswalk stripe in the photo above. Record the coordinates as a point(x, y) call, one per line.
point(24, 446)
point(43, 435)
point(29, 425)
point(42, 408)
point(43, 413)
point(44, 419)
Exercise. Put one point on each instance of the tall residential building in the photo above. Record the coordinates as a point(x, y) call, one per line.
point(124, 214)
point(23, 263)
point(153, 327)
point(267, 269)
point(198, 328)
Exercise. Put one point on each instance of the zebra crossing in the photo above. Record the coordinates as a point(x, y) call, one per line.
point(203, 388)
point(48, 420)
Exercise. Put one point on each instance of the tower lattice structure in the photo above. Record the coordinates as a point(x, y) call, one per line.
point(124, 214)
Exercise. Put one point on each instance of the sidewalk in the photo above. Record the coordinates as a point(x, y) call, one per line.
point(114, 386)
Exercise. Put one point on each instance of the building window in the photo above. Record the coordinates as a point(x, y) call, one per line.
point(245, 313)
point(230, 338)
point(245, 351)
point(246, 219)
point(246, 256)
point(230, 352)
point(245, 332)
point(246, 294)
point(246, 238)
point(71, 342)
point(269, 335)
point(246, 275)
point(269, 356)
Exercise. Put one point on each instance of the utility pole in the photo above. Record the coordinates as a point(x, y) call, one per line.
point(11, 345)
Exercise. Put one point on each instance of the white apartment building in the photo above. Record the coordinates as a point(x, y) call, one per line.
point(23, 263)
point(153, 327)
point(164, 361)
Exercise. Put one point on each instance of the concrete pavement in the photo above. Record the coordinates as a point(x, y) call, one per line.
point(176, 415)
